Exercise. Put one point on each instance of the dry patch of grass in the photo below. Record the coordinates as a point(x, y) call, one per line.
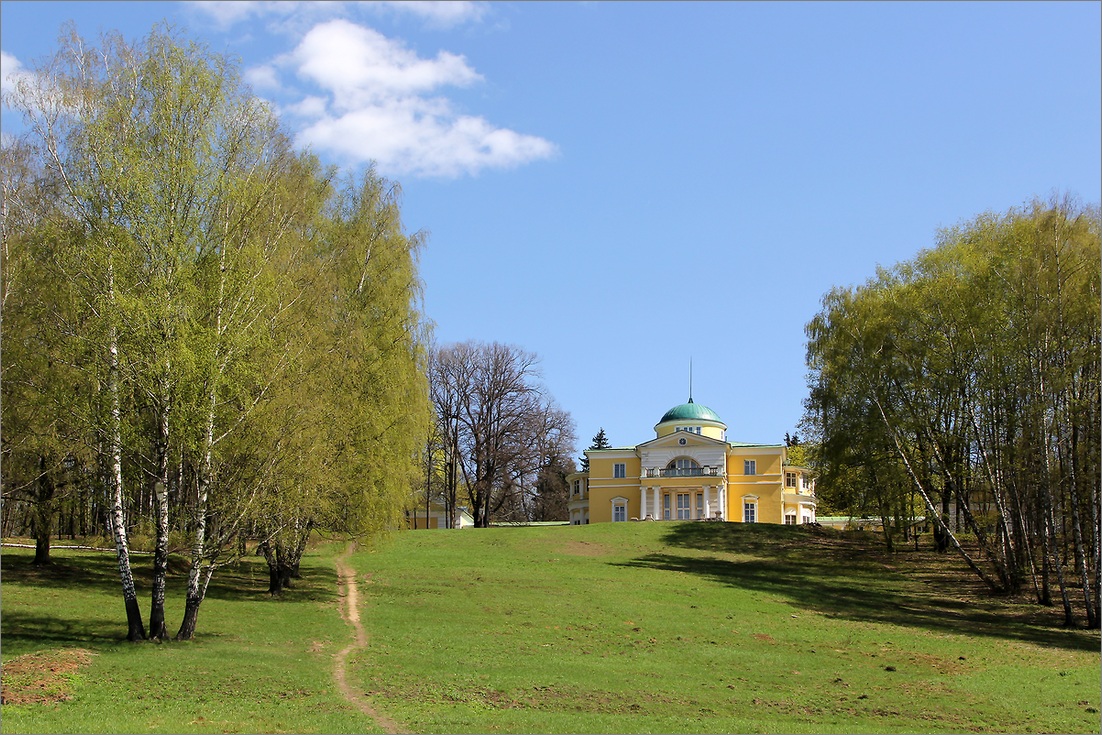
point(583, 548)
point(542, 697)
point(42, 678)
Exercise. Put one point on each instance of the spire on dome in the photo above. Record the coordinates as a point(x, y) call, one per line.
point(690, 379)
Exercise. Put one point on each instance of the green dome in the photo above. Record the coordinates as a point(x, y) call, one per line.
point(690, 412)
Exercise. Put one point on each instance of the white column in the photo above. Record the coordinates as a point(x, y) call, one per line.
point(707, 502)
point(723, 501)
point(642, 503)
point(657, 503)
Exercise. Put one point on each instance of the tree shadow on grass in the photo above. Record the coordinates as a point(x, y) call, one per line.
point(26, 630)
point(247, 580)
point(841, 576)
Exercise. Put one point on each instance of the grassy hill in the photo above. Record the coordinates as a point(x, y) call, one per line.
point(639, 627)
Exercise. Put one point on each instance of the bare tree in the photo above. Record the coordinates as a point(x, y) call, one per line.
point(499, 426)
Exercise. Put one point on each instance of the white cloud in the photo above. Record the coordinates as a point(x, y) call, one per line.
point(377, 103)
point(446, 14)
point(10, 72)
point(311, 107)
point(423, 138)
point(360, 65)
point(263, 78)
point(302, 13)
point(279, 15)
point(356, 94)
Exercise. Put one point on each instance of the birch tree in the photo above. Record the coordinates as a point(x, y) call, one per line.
point(976, 364)
point(222, 340)
point(46, 410)
point(373, 378)
point(351, 419)
point(169, 167)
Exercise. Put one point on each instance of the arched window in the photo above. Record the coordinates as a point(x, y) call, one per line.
point(683, 467)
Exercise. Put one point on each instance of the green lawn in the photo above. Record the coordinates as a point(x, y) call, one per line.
point(639, 627)
point(690, 627)
point(256, 664)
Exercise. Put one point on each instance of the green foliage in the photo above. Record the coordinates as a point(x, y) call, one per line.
point(968, 377)
point(209, 323)
point(45, 397)
point(374, 370)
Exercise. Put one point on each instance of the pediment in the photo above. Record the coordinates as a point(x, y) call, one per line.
point(674, 440)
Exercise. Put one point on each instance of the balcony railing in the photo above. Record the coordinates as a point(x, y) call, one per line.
point(682, 472)
point(792, 497)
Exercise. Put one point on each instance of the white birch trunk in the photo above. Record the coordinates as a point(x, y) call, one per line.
point(135, 629)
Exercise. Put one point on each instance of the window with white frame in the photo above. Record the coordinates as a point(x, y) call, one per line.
point(790, 479)
point(805, 482)
point(700, 505)
point(684, 509)
point(749, 467)
point(619, 510)
point(749, 511)
point(790, 519)
point(666, 507)
point(577, 487)
point(620, 469)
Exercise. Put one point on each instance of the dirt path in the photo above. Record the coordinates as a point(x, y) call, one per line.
point(349, 598)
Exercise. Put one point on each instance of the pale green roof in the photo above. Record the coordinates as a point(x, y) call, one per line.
point(690, 412)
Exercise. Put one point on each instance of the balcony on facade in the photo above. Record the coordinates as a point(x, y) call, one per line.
point(682, 472)
point(789, 496)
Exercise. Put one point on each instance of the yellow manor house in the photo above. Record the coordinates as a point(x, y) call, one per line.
point(691, 472)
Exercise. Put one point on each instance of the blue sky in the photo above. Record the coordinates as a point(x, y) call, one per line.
point(622, 187)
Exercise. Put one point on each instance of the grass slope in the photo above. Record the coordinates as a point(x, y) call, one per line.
point(690, 627)
point(256, 664)
point(641, 627)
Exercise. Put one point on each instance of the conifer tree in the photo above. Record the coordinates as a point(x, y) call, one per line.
point(600, 441)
